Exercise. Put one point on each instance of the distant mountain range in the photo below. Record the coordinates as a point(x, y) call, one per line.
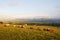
point(47, 20)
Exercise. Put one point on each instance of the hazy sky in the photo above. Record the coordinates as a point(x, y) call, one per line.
point(29, 8)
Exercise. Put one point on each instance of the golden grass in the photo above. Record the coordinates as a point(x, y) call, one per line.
point(15, 33)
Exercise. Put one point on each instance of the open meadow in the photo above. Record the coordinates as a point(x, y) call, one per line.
point(29, 32)
point(29, 19)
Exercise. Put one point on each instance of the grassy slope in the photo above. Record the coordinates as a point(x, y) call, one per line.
point(11, 33)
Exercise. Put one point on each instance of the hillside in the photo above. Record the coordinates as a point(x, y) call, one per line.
point(14, 33)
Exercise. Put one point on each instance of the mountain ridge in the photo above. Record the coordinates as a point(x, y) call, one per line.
point(49, 20)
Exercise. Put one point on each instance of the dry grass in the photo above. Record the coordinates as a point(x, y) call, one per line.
point(36, 33)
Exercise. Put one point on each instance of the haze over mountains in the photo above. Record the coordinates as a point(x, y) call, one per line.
point(36, 19)
point(49, 20)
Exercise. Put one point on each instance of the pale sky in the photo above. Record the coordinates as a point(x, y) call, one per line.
point(29, 8)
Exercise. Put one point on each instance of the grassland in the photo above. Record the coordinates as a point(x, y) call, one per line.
point(14, 33)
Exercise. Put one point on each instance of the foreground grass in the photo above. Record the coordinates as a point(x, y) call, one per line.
point(11, 33)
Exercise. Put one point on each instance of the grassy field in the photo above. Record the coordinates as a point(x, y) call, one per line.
point(14, 33)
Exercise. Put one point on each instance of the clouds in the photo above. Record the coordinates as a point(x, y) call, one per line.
point(14, 3)
point(29, 8)
point(10, 3)
point(57, 11)
point(22, 15)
